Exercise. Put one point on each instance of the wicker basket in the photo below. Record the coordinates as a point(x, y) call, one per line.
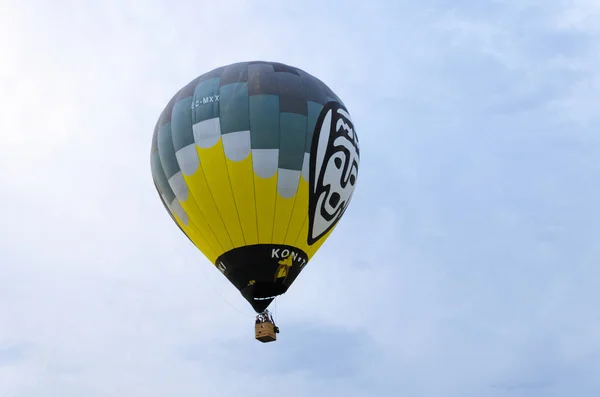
point(265, 332)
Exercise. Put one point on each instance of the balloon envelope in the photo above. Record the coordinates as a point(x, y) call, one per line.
point(256, 162)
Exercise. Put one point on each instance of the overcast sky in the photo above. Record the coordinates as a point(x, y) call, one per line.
point(466, 266)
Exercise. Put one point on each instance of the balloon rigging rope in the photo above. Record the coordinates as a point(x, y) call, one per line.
point(221, 295)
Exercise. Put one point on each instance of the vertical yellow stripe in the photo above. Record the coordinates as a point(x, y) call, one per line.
point(300, 239)
point(196, 217)
point(265, 191)
point(197, 239)
point(212, 161)
point(242, 183)
point(298, 214)
point(199, 189)
point(283, 213)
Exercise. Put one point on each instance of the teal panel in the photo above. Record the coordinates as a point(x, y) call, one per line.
point(293, 140)
point(314, 109)
point(264, 121)
point(181, 123)
point(205, 103)
point(160, 179)
point(166, 151)
point(234, 111)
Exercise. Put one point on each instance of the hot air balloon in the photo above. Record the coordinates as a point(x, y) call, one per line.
point(256, 162)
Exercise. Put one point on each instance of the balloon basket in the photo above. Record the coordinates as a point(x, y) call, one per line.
point(265, 332)
point(265, 329)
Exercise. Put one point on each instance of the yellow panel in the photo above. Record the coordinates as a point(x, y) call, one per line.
point(312, 250)
point(197, 239)
point(199, 188)
point(283, 213)
point(212, 161)
point(242, 183)
point(301, 237)
point(196, 217)
point(299, 214)
point(265, 191)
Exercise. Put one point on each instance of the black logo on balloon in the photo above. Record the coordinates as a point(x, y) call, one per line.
point(333, 171)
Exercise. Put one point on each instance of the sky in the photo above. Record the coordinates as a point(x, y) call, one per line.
point(465, 266)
